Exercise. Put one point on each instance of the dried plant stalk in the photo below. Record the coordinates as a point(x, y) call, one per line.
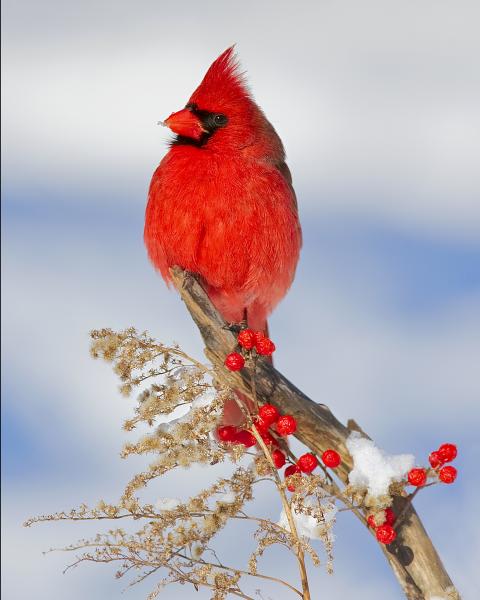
point(176, 535)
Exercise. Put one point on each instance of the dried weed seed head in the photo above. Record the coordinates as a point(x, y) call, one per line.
point(180, 403)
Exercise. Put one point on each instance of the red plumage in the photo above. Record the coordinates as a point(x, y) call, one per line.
point(221, 203)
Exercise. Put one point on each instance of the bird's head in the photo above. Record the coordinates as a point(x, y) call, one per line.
point(221, 112)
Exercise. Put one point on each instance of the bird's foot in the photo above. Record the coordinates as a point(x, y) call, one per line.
point(236, 327)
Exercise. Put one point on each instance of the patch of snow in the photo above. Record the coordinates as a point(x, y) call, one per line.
point(182, 413)
point(199, 522)
point(373, 468)
point(307, 525)
point(227, 498)
point(179, 415)
point(204, 400)
point(167, 503)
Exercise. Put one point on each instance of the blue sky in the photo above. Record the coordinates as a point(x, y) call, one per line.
point(378, 110)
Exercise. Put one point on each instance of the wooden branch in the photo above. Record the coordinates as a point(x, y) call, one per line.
point(413, 558)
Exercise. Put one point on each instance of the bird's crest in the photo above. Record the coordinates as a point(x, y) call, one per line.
point(223, 84)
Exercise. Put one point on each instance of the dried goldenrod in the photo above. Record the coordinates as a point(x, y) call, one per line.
point(175, 539)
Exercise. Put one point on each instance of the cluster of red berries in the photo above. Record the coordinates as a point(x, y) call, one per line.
point(249, 340)
point(384, 533)
point(417, 477)
point(267, 422)
point(308, 462)
point(270, 421)
point(234, 435)
point(305, 464)
point(268, 418)
point(445, 454)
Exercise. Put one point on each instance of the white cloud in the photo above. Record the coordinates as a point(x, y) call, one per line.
point(378, 106)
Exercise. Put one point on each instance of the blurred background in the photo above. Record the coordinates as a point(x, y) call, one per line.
point(378, 106)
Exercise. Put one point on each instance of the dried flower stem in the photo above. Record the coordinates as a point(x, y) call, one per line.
point(286, 507)
point(300, 555)
point(235, 570)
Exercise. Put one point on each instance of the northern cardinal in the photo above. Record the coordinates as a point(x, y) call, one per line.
point(221, 203)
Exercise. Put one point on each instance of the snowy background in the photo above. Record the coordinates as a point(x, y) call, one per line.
point(378, 106)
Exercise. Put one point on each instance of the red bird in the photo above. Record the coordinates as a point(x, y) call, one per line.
point(221, 203)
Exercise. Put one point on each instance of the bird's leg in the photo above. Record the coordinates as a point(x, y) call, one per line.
point(233, 327)
point(237, 327)
point(244, 322)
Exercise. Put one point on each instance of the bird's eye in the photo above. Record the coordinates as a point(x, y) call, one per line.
point(220, 120)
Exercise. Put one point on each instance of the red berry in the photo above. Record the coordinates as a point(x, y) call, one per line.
point(390, 516)
point(291, 470)
point(385, 534)
point(268, 413)
point(435, 459)
point(268, 438)
point(259, 335)
point(307, 462)
point(417, 477)
point(227, 433)
point(447, 452)
point(331, 458)
point(286, 425)
point(447, 474)
point(234, 361)
point(260, 425)
point(265, 347)
point(246, 438)
point(246, 339)
point(371, 521)
point(278, 458)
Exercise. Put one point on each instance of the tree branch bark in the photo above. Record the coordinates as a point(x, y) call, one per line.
point(413, 558)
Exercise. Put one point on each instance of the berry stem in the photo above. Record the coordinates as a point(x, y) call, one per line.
point(403, 512)
point(286, 507)
point(254, 382)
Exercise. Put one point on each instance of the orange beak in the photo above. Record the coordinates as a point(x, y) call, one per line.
point(185, 123)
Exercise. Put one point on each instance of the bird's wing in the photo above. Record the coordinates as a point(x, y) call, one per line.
point(282, 167)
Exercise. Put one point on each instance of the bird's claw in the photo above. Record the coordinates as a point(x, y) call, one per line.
point(235, 327)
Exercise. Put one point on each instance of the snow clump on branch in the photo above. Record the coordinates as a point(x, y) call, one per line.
point(373, 469)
